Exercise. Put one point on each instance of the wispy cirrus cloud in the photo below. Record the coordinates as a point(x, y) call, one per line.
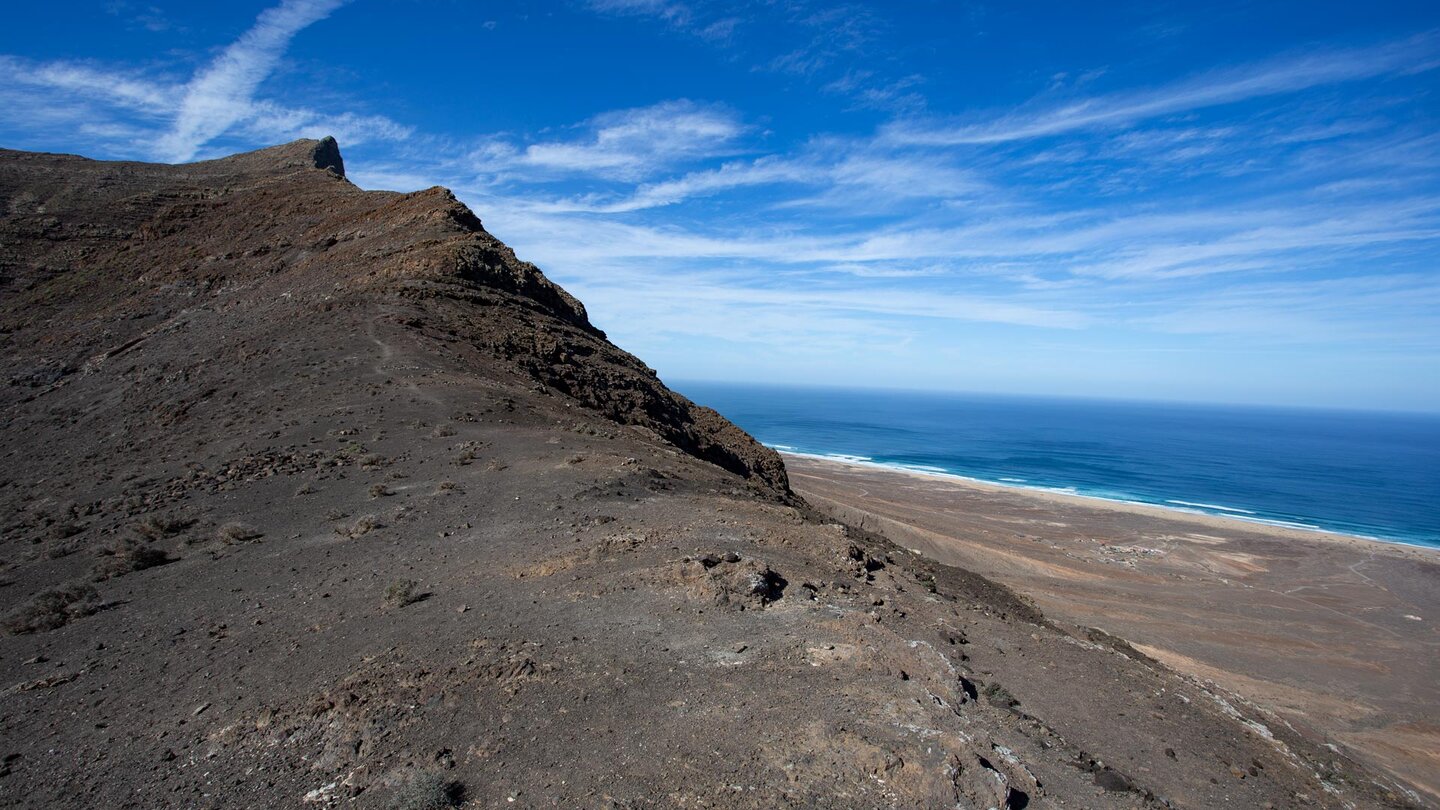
point(223, 93)
point(637, 143)
point(85, 81)
point(829, 175)
point(1284, 75)
point(715, 25)
point(1091, 246)
point(833, 44)
point(1393, 313)
point(150, 114)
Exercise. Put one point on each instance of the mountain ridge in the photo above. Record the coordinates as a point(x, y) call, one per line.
point(447, 255)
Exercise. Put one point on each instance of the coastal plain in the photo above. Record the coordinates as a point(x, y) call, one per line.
point(1334, 635)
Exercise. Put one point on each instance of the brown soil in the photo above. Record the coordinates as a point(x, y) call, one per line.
point(314, 496)
point(1336, 637)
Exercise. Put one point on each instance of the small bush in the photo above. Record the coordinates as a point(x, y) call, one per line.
point(363, 525)
point(427, 790)
point(125, 556)
point(380, 491)
point(401, 593)
point(371, 461)
point(236, 532)
point(56, 549)
point(445, 487)
point(159, 527)
point(65, 530)
point(54, 608)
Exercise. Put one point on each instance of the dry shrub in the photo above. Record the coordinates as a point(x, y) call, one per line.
point(363, 525)
point(427, 790)
point(159, 527)
point(127, 555)
point(469, 451)
point(236, 532)
point(65, 530)
point(372, 461)
point(401, 593)
point(53, 608)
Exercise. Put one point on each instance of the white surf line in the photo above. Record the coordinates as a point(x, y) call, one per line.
point(866, 461)
point(1199, 505)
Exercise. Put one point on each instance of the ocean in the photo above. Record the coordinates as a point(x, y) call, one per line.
point(1370, 474)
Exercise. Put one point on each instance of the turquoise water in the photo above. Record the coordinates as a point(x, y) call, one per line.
point(1370, 474)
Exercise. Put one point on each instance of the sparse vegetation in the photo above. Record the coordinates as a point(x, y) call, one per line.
point(401, 592)
point(64, 530)
point(236, 532)
point(446, 487)
point(363, 525)
point(380, 491)
point(54, 608)
point(63, 548)
point(427, 790)
point(127, 555)
point(372, 461)
point(159, 527)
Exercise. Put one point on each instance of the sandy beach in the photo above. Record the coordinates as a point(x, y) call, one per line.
point(1335, 635)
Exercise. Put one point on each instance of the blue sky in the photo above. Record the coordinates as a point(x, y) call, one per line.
point(1139, 200)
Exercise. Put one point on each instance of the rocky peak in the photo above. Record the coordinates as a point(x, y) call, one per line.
point(305, 153)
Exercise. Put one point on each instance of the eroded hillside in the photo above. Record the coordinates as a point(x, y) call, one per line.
point(316, 496)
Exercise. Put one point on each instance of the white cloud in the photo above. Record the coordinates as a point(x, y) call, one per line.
point(153, 116)
point(1392, 312)
point(677, 14)
point(129, 91)
point(846, 176)
point(222, 94)
point(637, 143)
point(1286, 75)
